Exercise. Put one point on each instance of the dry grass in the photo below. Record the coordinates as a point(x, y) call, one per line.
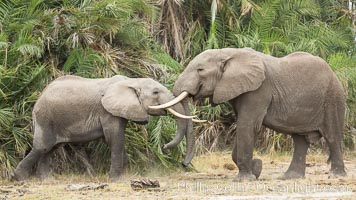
point(212, 180)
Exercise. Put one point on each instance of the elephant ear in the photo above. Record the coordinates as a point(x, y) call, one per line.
point(121, 100)
point(242, 72)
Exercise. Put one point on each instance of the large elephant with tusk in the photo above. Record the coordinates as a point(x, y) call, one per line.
point(75, 109)
point(297, 95)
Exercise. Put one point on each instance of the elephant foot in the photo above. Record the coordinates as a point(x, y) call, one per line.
point(256, 167)
point(13, 177)
point(115, 179)
point(337, 173)
point(45, 177)
point(20, 175)
point(244, 177)
point(115, 176)
point(126, 162)
point(292, 175)
point(166, 150)
point(44, 174)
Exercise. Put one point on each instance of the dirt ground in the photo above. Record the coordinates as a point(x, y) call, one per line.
point(212, 181)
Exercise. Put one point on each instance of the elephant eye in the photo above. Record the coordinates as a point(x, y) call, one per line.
point(155, 92)
point(200, 70)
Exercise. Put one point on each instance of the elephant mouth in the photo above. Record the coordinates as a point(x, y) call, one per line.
point(160, 112)
point(197, 96)
point(141, 122)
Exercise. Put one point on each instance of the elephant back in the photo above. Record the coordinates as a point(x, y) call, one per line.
point(71, 97)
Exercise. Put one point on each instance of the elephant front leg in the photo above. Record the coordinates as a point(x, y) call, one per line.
point(117, 160)
point(114, 132)
point(297, 166)
point(242, 154)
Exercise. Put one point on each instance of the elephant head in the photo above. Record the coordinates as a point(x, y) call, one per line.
point(222, 74)
point(132, 99)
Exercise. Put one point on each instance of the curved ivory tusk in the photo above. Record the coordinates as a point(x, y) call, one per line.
point(199, 120)
point(172, 102)
point(177, 114)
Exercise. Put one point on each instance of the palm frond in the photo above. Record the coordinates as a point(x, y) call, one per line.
point(83, 62)
point(28, 78)
point(172, 28)
point(194, 40)
point(134, 35)
point(6, 118)
point(212, 42)
point(6, 7)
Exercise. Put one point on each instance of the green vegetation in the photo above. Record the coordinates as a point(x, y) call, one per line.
point(41, 40)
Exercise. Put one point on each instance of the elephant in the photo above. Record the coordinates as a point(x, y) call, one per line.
point(73, 109)
point(298, 95)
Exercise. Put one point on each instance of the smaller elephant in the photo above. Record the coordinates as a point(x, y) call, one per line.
point(75, 109)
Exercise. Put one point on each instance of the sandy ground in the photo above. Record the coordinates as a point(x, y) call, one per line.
point(212, 181)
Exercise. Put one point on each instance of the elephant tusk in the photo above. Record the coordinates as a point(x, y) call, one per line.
point(172, 102)
point(177, 114)
point(199, 120)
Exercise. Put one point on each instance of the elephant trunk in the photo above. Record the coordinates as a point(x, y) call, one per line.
point(185, 128)
point(181, 130)
point(189, 135)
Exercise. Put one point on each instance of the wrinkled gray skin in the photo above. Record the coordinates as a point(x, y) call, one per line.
point(75, 109)
point(297, 94)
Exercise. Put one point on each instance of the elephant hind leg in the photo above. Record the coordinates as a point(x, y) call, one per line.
point(333, 134)
point(24, 168)
point(43, 170)
point(297, 167)
point(335, 157)
point(42, 144)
